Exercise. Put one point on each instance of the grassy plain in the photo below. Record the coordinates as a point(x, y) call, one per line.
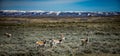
point(104, 36)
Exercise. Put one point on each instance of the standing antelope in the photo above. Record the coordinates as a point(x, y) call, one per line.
point(84, 41)
point(54, 42)
point(7, 34)
point(41, 43)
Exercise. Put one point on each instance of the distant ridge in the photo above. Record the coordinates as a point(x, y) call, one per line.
point(41, 13)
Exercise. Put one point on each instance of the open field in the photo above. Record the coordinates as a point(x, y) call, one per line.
point(58, 19)
point(104, 38)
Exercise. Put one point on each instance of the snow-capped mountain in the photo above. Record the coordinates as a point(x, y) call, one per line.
point(55, 13)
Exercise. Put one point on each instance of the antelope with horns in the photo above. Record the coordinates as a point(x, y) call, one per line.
point(54, 42)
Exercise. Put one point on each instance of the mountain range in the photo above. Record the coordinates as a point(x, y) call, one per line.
point(41, 13)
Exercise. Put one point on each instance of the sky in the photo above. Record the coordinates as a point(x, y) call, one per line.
point(61, 5)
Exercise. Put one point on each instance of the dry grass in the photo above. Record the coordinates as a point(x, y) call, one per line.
point(104, 39)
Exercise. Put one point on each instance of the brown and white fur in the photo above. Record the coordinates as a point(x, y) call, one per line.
point(84, 41)
point(41, 43)
point(7, 34)
point(54, 42)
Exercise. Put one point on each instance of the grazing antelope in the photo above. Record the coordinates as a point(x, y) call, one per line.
point(84, 41)
point(7, 34)
point(41, 43)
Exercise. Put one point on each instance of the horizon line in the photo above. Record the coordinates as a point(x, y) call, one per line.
point(56, 11)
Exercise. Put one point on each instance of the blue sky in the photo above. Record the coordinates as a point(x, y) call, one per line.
point(61, 5)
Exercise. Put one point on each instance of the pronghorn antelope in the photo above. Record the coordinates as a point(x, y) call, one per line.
point(41, 43)
point(84, 41)
point(54, 42)
point(7, 34)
